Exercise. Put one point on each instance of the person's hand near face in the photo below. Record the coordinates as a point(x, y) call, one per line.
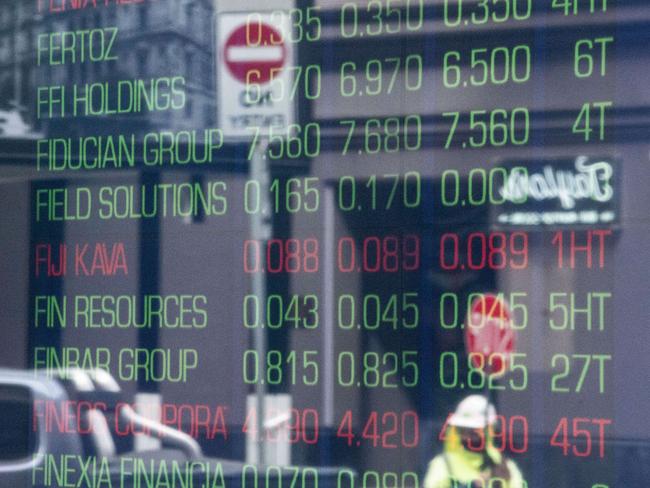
point(472, 439)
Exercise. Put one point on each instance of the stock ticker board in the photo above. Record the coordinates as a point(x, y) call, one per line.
point(324, 243)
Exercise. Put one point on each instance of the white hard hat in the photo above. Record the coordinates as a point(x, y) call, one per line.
point(474, 412)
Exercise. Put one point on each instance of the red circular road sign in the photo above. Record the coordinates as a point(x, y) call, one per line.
point(489, 335)
point(255, 53)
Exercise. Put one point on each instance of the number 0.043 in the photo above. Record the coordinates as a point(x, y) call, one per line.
point(280, 311)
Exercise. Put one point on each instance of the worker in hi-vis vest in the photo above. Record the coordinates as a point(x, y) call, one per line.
point(469, 458)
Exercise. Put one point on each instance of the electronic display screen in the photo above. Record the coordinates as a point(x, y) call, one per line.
point(324, 243)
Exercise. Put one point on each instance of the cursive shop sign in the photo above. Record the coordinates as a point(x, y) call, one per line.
point(580, 191)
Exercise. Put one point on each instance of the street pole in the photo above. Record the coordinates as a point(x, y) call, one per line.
point(260, 230)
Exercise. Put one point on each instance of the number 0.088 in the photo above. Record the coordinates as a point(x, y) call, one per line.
point(281, 256)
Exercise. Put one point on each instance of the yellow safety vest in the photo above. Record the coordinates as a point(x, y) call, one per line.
point(458, 468)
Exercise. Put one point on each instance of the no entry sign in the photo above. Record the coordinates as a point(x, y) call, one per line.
point(255, 74)
point(255, 53)
point(489, 335)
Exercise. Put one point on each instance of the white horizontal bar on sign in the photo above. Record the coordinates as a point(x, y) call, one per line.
point(242, 54)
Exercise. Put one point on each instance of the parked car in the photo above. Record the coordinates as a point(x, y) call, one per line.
point(59, 431)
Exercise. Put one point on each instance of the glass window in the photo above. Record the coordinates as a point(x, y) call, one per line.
point(381, 243)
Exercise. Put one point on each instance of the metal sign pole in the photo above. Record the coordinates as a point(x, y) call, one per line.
point(260, 230)
point(242, 68)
